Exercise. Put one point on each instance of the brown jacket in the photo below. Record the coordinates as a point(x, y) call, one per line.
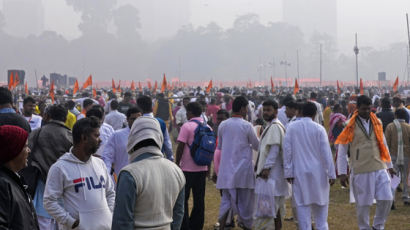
point(392, 139)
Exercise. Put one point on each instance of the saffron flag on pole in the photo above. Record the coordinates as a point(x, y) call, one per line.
point(296, 89)
point(396, 85)
point(139, 86)
point(339, 91)
point(149, 85)
point(164, 84)
point(26, 88)
point(208, 89)
point(155, 86)
point(88, 82)
point(119, 87)
point(272, 85)
point(11, 81)
point(94, 92)
point(361, 87)
point(16, 81)
point(51, 92)
point(114, 90)
point(132, 85)
point(76, 87)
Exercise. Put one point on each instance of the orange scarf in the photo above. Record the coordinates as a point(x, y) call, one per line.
point(347, 135)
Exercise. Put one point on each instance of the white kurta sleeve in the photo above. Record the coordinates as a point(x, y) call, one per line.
point(108, 153)
point(342, 159)
point(326, 154)
point(253, 139)
point(272, 158)
point(288, 154)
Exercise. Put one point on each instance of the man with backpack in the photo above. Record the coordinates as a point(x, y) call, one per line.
point(197, 138)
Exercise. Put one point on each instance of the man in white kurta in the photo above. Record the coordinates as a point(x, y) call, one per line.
point(369, 178)
point(269, 167)
point(308, 165)
point(236, 178)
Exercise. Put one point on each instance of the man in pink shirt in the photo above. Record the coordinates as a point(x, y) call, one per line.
point(212, 110)
point(195, 175)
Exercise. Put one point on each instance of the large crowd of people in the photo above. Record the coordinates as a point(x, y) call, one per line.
point(131, 160)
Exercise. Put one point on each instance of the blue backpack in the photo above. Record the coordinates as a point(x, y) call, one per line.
point(203, 146)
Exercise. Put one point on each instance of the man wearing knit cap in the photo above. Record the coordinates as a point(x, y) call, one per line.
point(16, 208)
point(150, 190)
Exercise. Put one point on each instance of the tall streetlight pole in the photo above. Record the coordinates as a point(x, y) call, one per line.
point(320, 64)
point(356, 52)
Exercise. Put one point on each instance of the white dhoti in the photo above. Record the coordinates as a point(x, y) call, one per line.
point(319, 213)
point(368, 187)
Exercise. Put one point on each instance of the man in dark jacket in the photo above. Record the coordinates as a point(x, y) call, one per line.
point(8, 115)
point(47, 144)
point(16, 208)
point(386, 115)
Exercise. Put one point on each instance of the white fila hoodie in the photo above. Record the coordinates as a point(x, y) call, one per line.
point(86, 190)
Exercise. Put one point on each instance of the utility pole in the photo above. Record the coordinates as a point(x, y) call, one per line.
point(356, 52)
point(408, 37)
point(320, 64)
point(297, 63)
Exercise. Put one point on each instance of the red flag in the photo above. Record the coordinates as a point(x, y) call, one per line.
point(26, 88)
point(339, 91)
point(149, 85)
point(396, 84)
point(51, 92)
point(208, 89)
point(16, 80)
point(114, 90)
point(361, 87)
point(155, 86)
point(88, 82)
point(272, 85)
point(296, 89)
point(132, 85)
point(164, 84)
point(11, 81)
point(76, 87)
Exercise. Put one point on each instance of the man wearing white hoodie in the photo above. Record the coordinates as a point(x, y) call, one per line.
point(82, 182)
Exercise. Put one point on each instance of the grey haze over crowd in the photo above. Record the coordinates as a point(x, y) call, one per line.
point(202, 39)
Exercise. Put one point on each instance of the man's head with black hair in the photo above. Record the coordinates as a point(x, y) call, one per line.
point(221, 115)
point(386, 104)
point(193, 109)
point(6, 98)
point(145, 104)
point(132, 114)
point(87, 104)
point(57, 113)
point(240, 106)
point(309, 109)
point(86, 136)
point(364, 106)
point(397, 102)
point(96, 111)
point(270, 110)
point(29, 106)
point(400, 114)
point(114, 105)
point(185, 101)
point(70, 104)
point(313, 95)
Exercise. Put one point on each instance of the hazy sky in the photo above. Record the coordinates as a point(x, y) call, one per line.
point(378, 22)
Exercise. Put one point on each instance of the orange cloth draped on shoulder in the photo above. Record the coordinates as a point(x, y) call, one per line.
point(347, 135)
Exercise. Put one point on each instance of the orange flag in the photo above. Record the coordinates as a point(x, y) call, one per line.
point(361, 87)
point(272, 85)
point(11, 81)
point(26, 88)
point(139, 86)
point(119, 87)
point(164, 84)
point(396, 84)
point(94, 93)
point(208, 89)
point(296, 89)
point(114, 90)
point(155, 86)
point(149, 85)
point(16, 80)
point(76, 87)
point(339, 91)
point(132, 85)
point(88, 82)
point(51, 92)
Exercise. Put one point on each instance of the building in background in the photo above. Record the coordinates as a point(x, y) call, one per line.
point(312, 16)
point(23, 17)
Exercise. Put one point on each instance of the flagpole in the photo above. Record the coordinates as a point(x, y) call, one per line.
point(297, 62)
point(356, 51)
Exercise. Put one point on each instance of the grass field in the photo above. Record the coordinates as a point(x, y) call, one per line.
point(342, 215)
